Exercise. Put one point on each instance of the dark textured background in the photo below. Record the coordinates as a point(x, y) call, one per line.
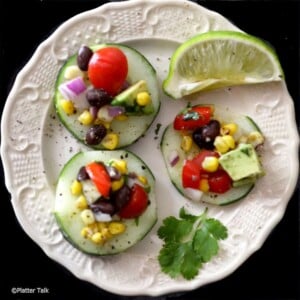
point(270, 273)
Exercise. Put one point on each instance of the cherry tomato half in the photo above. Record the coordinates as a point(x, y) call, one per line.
point(219, 182)
point(190, 175)
point(193, 118)
point(107, 69)
point(137, 204)
point(100, 178)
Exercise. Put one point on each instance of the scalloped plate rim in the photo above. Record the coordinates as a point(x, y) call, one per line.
point(4, 146)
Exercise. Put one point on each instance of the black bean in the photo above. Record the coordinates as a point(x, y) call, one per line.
point(98, 97)
point(205, 136)
point(83, 57)
point(103, 206)
point(121, 197)
point(82, 174)
point(95, 134)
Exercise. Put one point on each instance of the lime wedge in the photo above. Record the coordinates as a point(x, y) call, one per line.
point(218, 59)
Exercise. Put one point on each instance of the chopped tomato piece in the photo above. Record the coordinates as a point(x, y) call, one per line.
point(137, 204)
point(191, 175)
point(219, 182)
point(98, 174)
point(199, 158)
point(192, 118)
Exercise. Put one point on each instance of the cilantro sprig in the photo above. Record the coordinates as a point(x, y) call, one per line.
point(189, 242)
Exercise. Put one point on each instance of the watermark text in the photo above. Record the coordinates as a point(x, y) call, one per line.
point(26, 290)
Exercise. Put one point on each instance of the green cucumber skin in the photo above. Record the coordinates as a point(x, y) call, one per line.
point(245, 123)
point(131, 130)
point(68, 217)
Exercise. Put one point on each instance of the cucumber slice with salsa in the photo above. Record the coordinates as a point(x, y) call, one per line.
point(91, 210)
point(177, 158)
point(125, 123)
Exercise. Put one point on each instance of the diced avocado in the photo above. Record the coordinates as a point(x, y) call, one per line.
point(241, 162)
point(127, 99)
point(244, 181)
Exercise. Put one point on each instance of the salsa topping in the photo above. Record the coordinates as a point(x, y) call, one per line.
point(98, 91)
point(216, 158)
point(107, 194)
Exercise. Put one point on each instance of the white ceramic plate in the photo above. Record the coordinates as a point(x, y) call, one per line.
point(35, 147)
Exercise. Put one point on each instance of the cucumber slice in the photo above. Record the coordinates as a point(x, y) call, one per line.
point(68, 216)
point(171, 141)
point(129, 131)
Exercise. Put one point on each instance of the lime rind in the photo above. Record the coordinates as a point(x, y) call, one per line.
point(218, 59)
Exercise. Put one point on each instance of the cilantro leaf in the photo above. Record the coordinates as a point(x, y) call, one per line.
point(205, 244)
point(216, 228)
point(179, 258)
point(188, 243)
point(174, 229)
point(191, 262)
point(183, 215)
point(170, 258)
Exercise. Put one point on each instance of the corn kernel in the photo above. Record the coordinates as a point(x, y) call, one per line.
point(76, 187)
point(121, 117)
point(142, 179)
point(117, 184)
point(210, 164)
point(229, 140)
point(105, 124)
point(230, 129)
point(81, 202)
point(97, 238)
point(86, 232)
point(93, 227)
point(243, 139)
point(220, 145)
point(87, 217)
point(116, 228)
point(120, 165)
point(110, 141)
point(255, 138)
point(106, 233)
point(72, 72)
point(67, 106)
point(143, 98)
point(86, 118)
point(101, 225)
point(186, 143)
point(204, 186)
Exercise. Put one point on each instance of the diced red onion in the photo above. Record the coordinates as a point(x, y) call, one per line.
point(77, 85)
point(66, 92)
point(132, 181)
point(102, 217)
point(103, 114)
point(80, 101)
point(193, 194)
point(94, 111)
point(115, 111)
point(71, 89)
point(113, 173)
point(173, 158)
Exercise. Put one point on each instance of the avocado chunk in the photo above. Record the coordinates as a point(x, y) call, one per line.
point(244, 181)
point(127, 99)
point(241, 163)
